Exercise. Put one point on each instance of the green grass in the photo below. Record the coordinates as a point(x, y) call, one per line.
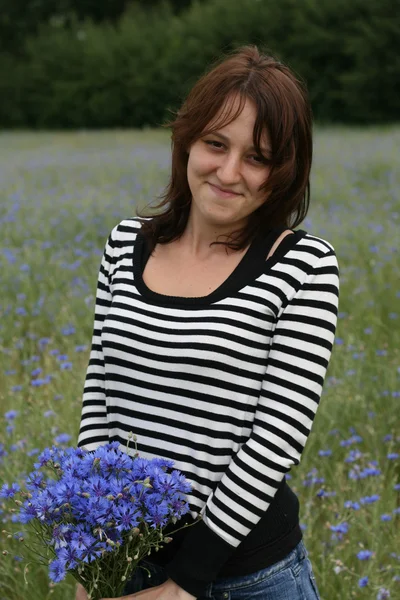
point(62, 193)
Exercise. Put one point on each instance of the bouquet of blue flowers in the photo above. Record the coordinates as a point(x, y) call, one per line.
point(98, 513)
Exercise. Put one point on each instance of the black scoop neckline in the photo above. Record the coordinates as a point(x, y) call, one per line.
point(251, 266)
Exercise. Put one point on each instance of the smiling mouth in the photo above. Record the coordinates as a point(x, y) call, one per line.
point(222, 193)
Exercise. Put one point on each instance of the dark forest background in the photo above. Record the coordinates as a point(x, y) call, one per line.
point(121, 63)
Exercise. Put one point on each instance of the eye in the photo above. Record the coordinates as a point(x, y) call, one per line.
point(260, 160)
point(211, 142)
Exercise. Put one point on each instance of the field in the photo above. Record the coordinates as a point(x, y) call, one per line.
point(61, 195)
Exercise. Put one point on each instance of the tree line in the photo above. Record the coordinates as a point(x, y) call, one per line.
point(121, 63)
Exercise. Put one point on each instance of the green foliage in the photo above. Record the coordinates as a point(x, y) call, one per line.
point(134, 71)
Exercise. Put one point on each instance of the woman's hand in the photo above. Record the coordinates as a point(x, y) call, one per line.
point(80, 593)
point(167, 591)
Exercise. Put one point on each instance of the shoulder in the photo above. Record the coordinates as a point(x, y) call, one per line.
point(126, 230)
point(323, 246)
point(313, 249)
point(309, 258)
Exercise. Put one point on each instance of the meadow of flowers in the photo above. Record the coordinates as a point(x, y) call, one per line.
point(61, 195)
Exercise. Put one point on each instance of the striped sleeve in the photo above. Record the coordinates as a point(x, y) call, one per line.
point(93, 431)
point(298, 360)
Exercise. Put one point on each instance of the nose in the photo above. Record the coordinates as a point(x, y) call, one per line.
point(229, 170)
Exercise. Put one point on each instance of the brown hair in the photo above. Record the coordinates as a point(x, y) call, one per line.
point(283, 109)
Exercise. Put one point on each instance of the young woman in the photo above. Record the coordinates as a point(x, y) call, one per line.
point(214, 326)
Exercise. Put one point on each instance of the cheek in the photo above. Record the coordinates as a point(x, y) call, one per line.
point(258, 182)
point(201, 162)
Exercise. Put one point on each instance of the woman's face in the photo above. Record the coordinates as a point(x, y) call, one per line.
point(226, 159)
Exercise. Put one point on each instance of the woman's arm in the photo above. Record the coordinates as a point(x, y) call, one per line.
point(93, 431)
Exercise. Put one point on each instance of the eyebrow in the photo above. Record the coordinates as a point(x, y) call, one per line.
point(226, 139)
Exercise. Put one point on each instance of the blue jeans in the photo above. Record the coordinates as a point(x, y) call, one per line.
point(289, 579)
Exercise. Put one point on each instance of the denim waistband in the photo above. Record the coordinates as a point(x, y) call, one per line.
point(230, 583)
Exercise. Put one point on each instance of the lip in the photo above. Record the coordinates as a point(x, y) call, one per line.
point(221, 193)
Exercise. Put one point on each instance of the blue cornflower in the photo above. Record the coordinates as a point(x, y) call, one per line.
point(325, 452)
point(363, 581)
point(68, 556)
point(44, 506)
point(60, 533)
point(91, 554)
point(369, 499)
point(68, 330)
point(393, 455)
point(340, 528)
point(57, 571)
point(16, 388)
point(97, 486)
point(34, 481)
point(345, 443)
point(26, 514)
point(9, 491)
point(353, 505)
point(386, 517)
point(127, 517)
point(66, 366)
point(11, 414)
point(370, 472)
point(33, 452)
point(97, 511)
point(383, 594)
point(353, 455)
point(63, 438)
point(45, 457)
point(81, 348)
point(364, 554)
point(324, 494)
point(81, 540)
point(66, 489)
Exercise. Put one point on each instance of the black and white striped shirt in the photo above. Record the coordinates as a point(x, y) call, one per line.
point(226, 386)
